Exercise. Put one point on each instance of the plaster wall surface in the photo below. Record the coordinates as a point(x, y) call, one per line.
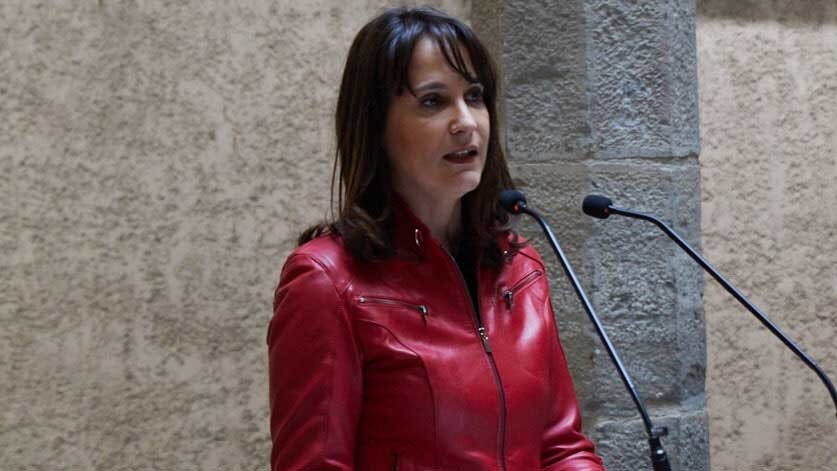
point(157, 160)
point(768, 106)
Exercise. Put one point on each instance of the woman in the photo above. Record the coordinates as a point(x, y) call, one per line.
point(415, 331)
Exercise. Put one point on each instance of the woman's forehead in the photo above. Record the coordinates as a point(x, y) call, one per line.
point(429, 60)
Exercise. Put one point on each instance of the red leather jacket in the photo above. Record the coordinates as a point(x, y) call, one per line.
point(381, 366)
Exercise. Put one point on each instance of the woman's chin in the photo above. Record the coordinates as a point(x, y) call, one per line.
point(467, 182)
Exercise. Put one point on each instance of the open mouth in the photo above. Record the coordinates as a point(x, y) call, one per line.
point(465, 155)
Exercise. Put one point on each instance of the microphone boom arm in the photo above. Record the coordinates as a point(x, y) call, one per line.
point(659, 459)
point(735, 293)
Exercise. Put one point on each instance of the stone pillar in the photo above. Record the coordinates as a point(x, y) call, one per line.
point(600, 96)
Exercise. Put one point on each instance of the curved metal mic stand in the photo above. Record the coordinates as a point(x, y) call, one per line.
point(730, 289)
point(659, 459)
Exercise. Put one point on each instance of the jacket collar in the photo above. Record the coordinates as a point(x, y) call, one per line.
point(411, 235)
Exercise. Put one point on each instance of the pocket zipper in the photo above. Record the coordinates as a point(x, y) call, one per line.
point(420, 308)
point(522, 283)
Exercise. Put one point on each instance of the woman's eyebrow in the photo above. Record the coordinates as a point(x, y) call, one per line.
point(431, 86)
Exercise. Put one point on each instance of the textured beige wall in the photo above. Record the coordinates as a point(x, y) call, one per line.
point(768, 86)
point(156, 162)
point(152, 157)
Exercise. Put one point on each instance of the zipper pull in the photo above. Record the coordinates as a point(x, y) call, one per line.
point(484, 339)
point(509, 295)
point(422, 309)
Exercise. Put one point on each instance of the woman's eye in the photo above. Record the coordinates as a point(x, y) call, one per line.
point(474, 95)
point(430, 101)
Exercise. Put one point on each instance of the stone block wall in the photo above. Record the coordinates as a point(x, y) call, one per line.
point(601, 97)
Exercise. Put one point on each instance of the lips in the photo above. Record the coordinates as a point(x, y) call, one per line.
point(463, 155)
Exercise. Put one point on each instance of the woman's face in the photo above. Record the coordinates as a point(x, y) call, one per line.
point(437, 139)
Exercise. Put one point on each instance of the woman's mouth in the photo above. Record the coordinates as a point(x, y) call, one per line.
point(463, 156)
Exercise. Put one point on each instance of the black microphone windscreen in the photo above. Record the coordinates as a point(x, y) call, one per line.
point(597, 206)
point(511, 200)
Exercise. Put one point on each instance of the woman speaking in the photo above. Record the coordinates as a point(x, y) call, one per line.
point(415, 331)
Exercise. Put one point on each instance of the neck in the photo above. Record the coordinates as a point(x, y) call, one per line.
point(442, 217)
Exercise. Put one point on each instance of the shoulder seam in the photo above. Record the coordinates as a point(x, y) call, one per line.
point(341, 301)
point(325, 270)
point(536, 260)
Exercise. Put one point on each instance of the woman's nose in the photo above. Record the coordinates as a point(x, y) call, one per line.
point(463, 119)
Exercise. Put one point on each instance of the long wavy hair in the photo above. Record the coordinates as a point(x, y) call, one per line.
point(376, 70)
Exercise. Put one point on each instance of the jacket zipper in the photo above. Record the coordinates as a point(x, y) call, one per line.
point(395, 462)
point(420, 308)
point(481, 333)
point(522, 283)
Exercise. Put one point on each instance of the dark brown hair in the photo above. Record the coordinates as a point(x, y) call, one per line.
point(377, 69)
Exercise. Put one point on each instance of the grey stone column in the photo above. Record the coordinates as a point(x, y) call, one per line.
point(600, 96)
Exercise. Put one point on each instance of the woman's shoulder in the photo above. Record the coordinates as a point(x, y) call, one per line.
point(524, 253)
point(325, 253)
point(325, 247)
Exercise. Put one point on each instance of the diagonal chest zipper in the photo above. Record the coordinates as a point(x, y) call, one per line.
point(524, 282)
point(419, 308)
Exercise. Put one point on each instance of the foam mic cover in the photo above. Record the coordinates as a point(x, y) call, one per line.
point(597, 206)
point(512, 201)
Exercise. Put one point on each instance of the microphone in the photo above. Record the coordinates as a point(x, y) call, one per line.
point(601, 207)
point(514, 202)
point(597, 206)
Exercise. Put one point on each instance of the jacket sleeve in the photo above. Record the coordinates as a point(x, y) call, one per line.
point(315, 372)
point(564, 447)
